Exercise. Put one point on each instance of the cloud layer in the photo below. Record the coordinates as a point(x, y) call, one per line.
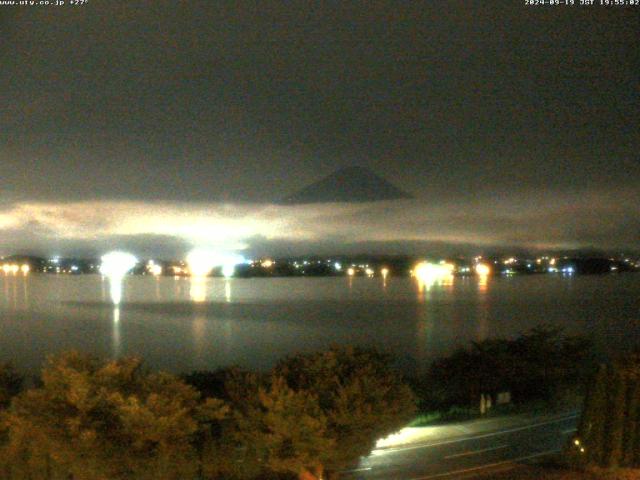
point(534, 220)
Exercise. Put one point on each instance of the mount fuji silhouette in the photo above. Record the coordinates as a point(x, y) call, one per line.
point(349, 185)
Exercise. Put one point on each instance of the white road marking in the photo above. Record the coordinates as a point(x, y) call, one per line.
point(382, 451)
point(570, 430)
point(482, 467)
point(476, 452)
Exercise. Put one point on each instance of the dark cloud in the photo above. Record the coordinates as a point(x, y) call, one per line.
point(247, 102)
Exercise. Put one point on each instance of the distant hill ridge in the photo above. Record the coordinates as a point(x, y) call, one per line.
point(350, 185)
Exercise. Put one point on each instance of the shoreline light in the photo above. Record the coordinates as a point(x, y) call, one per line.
point(8, 268)
point(201, 262)
point(153, 268)
point(426, 271)
point(428, 274)
point(483, 269)
point(115, 265)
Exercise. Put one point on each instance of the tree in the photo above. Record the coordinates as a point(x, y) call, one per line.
point(231, 450)
point(10, 384)
point(540, 364)
point(631, 441)
point(591, 430)
point(615, 425)
point(313, 413)
point(292, 430)
point(97, 420)
point(271, 430)
point(359, 395)
point(608, 433)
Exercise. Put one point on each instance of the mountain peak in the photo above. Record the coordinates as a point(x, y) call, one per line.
point(349, 184)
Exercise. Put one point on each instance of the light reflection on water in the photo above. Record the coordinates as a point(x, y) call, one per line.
point(199, 339)
point(227, 290)
point(115, 289)
point(15, 291)
point(198, 289)
point(185, 323)
point(116, 332)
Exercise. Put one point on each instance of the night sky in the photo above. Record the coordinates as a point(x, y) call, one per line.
point(161, 125)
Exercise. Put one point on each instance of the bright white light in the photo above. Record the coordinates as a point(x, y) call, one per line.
point(351, 271)
point(228, 270)
point(198, 289)
point(483, 269)
point(384, 272)
point(117, 264)
point(429, 274)
point(425, 271)
point(337, 266)
point(202, 261)
point(25, 268)
point(227, 291)
point(369, 272)
point(153, 268)
point(267, 263)
point(115, 289)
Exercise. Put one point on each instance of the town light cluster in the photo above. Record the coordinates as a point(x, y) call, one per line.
point(117, 264)
point(14, 268)
point(483, 269)
point(426, 271)
point(201, 262)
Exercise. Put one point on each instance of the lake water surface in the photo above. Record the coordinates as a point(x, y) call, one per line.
point(182, 324)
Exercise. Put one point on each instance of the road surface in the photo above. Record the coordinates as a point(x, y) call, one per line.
point(465, 450)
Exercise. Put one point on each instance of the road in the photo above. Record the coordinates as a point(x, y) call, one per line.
point(465, 450)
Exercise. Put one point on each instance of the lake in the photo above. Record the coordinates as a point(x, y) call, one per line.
point(182, 324)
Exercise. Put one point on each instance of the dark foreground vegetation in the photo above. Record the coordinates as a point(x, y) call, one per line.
point(559, 471)
point(609, 432)
point(607, 443)
point(543, 366)
point(310, 417)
